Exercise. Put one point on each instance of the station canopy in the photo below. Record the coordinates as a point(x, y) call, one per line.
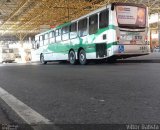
point(27, 16)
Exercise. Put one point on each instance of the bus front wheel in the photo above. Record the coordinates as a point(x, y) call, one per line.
point(82, 57)
point(72, 57)
point(42, 59)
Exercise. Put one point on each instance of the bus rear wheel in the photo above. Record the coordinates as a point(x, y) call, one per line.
point(82, 57)
point(72, 57)
point(42, 59)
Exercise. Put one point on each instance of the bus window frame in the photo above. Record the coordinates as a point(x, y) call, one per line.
point(59, 35)
point(86, 27)
point(62, 34)
point(75, 31)
point(97, 23)
point(51, 34)
point(46, 39)
point(41, 40)
point(107, 10)
point(52, 37)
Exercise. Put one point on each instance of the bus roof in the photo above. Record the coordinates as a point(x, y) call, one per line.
point(62, 25)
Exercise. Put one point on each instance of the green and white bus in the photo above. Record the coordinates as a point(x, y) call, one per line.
point(118, 30)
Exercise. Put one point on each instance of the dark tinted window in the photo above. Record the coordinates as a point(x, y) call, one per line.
point(103, 19)
point(82, 27)
point(73, 30)
point(65, 33)
point(93, 24)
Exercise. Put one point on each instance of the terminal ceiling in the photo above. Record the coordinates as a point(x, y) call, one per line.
point(26, 16)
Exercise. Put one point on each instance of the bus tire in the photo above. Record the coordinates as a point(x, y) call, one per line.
point(72, 57)
point(82, 57)
point(42, 59)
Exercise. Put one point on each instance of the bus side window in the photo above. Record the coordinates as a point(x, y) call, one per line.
point(103, 19)
point(73, 30)
point(41, 40)
point(58, 35)
point(52, 37)
point(46, 39)
point(82, 27)
point(37, 46)
point(65, 33)
point(93, 24)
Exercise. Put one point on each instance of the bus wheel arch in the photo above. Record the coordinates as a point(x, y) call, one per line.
point(82, 56)
point(42, 59)
point(72, 57)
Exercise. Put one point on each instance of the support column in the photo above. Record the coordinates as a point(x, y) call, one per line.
point(21, 37)
point(159, 29)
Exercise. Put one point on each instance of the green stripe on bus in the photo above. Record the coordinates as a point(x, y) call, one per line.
point(65, 46)
point(89, 48)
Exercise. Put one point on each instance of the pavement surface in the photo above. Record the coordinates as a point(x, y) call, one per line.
point(151, 58)
point(3, 117)
point(120, 93)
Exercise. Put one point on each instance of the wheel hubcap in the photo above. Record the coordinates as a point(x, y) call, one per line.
point(82, 57)
point(72, 57)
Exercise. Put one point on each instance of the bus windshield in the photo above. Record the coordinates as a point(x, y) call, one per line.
point(7, 51)
point(131, 16)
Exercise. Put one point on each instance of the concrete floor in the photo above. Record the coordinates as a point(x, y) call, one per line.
point(94, 94)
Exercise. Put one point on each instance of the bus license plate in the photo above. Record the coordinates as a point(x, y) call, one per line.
point(138, 37)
